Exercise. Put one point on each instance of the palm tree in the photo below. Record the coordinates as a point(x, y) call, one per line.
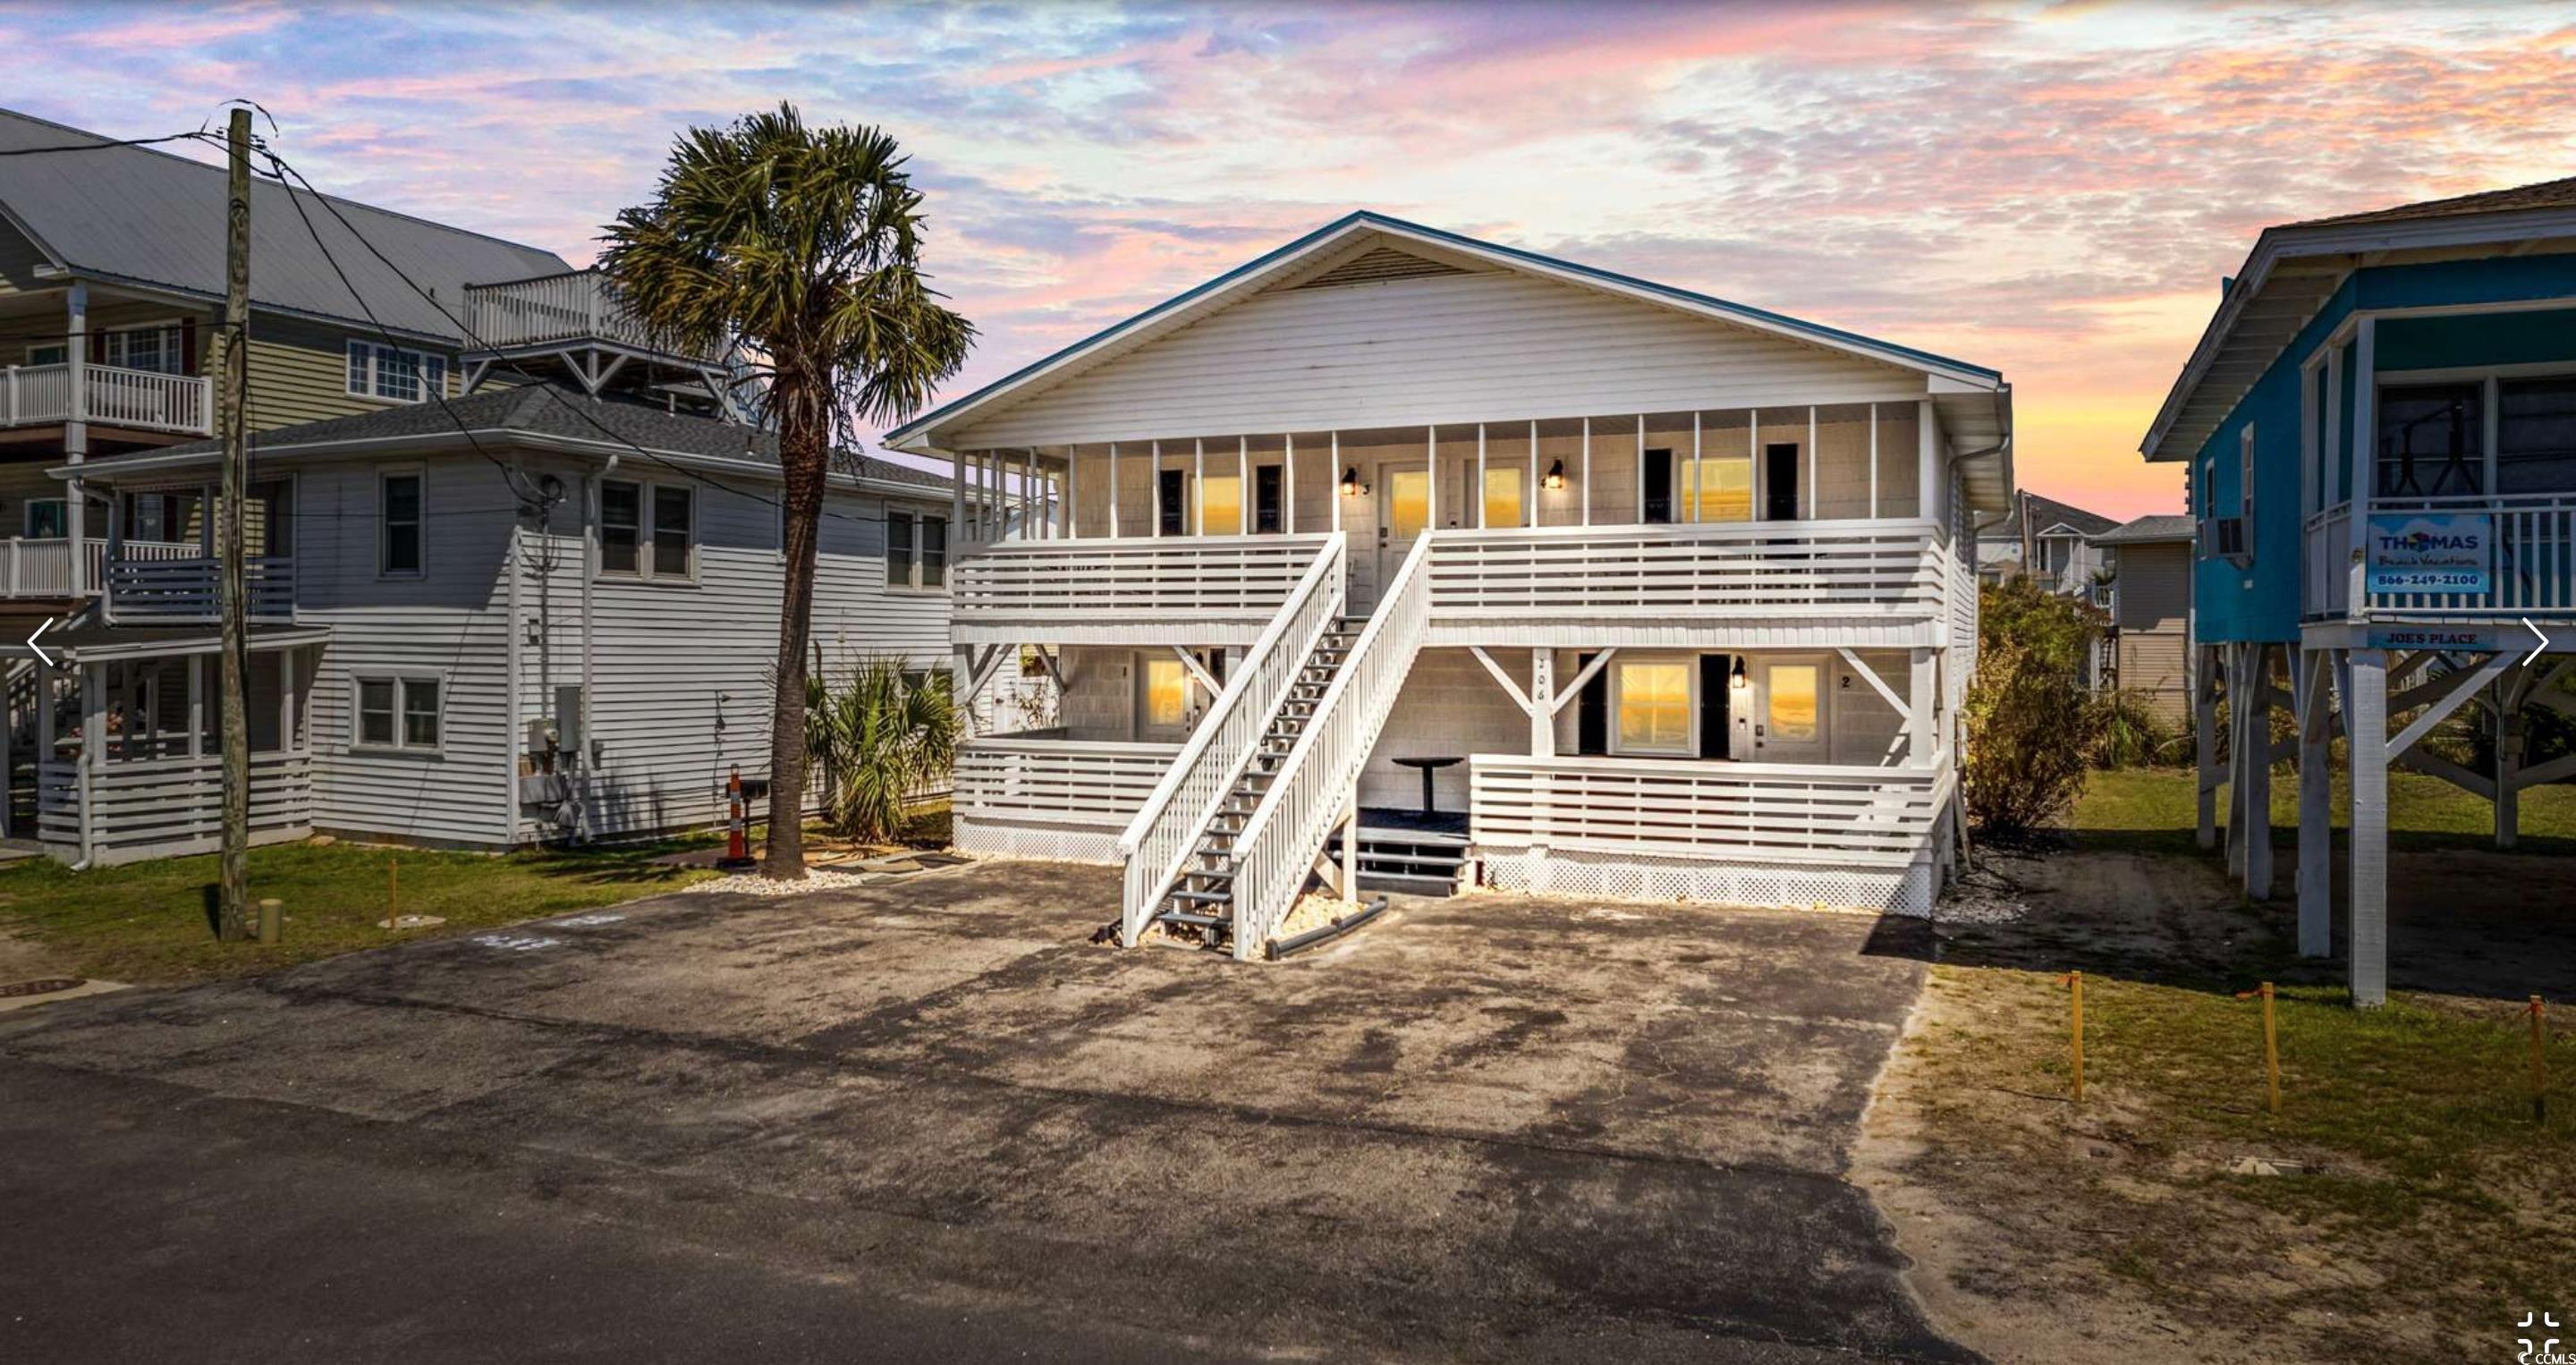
point(881, 738)
point(802, 246)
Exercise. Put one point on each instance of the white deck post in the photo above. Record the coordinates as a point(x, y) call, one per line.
point(1335, 472)
point(1753, 456)
point(1927, 459)
point(1072, 496)
point(1351, 844)
point(1640, 463)
point(1288, 483)
point(2366, 730)
point(2316, 806)
point(1699, 484)
point(76, 442)
point(1919, 705)
point(1529, 491)
point(1194, 502)
point(1154, 489)
point(956, 506)
point(1873, 461)
point(1113, 491)
point(2258, 776)
point(1477, 498)
point(1542, 695)
point(1587, 471)
point(1813, 460)
point(1243, 485)
point(93, 744)
point(1431, 462)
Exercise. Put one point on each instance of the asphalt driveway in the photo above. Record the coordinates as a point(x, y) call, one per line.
point(926, 1120)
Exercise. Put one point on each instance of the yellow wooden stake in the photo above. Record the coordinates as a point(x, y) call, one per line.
point(2076, 981)
point(2539, 1064)
point(2271, 1051)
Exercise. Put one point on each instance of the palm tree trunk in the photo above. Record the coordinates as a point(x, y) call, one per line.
point(804, 459)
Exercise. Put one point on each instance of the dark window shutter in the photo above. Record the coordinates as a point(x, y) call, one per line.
point(1592, 711)
point(1175, 517)
point(1265, 499)
point(188, 347)
point(1714, 670)
point(1659, 487)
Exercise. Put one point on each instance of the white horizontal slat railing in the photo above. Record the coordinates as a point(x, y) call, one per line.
point(2532, 565)
point(1058, 781)
point(1771, 812)
point(1313, 789)
point(1877, 568)
point(1157, 843)
point(139, 805)
point(1148, 579)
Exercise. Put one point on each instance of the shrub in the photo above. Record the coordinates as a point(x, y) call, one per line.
point(881, 737)
point(2031, 723)
point(2129, 733)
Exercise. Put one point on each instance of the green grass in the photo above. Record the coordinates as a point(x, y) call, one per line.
point(150, 922)
point(2153, 809)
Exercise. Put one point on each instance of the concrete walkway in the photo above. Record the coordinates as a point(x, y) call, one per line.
point(926, 1120)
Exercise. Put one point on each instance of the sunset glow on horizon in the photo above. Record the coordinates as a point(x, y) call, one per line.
point(2054, 191)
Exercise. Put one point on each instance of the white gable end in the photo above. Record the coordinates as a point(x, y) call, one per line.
point(1443, 348)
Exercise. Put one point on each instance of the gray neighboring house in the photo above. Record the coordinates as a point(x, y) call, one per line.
point(2150, 560)
point(2047, 540)
point(514, 570)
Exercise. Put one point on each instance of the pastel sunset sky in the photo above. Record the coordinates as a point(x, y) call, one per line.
point(2052, 190)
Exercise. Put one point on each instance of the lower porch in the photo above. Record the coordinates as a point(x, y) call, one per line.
point(113, 741)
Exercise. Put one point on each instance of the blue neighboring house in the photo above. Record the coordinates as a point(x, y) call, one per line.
point(2380, 428)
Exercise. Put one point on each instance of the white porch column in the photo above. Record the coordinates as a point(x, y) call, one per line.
point(2366, 730)
point(956, 506)
point(76, 440)
point(1243, 485)
point(1072, 495)
point(1154, 487)
point(1927, 457)
point(1335, 439)
point(1587, 471)
point(1698, 483)
point(1113, 491)
point(1542, 695)
point(1431, 462)
point(1919, 706)
point(1476, 496)
point(93, 687)
point(1640, 470)
point(1812, 461)
point(1529, 491)
point(1873, 461)
point(1288, 484)
point(1194, 501)
point(2316, 805)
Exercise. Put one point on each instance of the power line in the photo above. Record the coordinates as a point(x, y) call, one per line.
point(111, 144)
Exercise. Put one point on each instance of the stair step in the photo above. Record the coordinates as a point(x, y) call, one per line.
point(1198, 921)
point(1203, 897)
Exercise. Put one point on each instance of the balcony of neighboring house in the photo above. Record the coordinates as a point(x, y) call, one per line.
point(159, 564)
point(573, 325)
point(1713, 529)
point(124, 371)
point(2467, 496)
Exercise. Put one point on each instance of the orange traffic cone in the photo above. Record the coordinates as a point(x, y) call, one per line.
point(737, 826)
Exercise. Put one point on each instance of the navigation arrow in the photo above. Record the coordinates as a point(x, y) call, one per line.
point(2539, 634)
point(49, 659)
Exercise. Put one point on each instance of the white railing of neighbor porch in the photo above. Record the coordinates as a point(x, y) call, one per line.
point(146, 587)
point(149, 806)
point(1742, 569)
point(577, 305)
point(1313, 788)
point(1058, 781)
point(113, 396)
point(1142, 579)
point(1158, 842)
point(1774, 812)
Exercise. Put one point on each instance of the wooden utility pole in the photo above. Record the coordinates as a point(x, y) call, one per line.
point(231, 394)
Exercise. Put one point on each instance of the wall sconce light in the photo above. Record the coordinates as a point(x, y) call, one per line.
point(1735, 676)
point(1555, 477)
point(1351, 485)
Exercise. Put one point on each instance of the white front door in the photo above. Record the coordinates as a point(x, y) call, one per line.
point(1403, 510)
point(1790, 726)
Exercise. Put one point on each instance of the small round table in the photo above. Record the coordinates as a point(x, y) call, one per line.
point(1429, 765)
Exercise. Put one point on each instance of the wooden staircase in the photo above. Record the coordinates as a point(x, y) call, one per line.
point(1201, 901)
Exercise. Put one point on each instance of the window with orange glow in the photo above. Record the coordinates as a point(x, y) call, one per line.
point(1502, 497)
point(1220, 505)
point(1654, 705)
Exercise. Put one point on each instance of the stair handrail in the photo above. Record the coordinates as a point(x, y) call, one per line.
point(1156, 844)
point(1287, 830)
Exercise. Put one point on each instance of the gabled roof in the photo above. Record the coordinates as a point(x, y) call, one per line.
point(2048, 514)
point(557, 414)
point(2148, 530)
point(1279, 265)
point(143, 217)
point(2295, 268)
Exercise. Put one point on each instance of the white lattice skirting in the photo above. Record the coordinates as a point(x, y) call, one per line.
point(1903, 890)
point(1053, 842)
